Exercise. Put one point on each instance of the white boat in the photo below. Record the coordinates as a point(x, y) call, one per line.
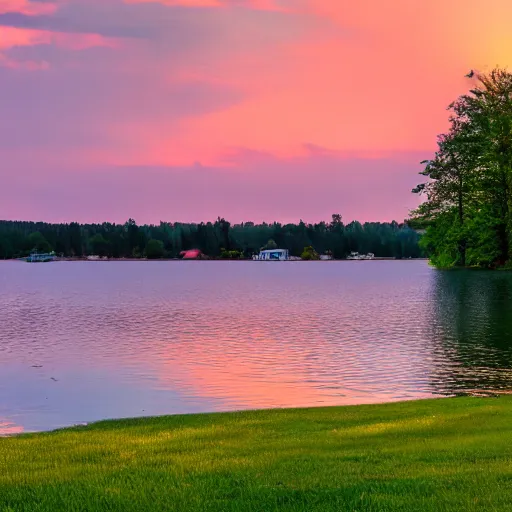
point(357, 256)
point(273, 255)
point(36, 257)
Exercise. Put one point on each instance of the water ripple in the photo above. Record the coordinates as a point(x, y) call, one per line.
point(86, 341)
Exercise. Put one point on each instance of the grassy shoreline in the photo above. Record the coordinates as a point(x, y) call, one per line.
point(443, 454)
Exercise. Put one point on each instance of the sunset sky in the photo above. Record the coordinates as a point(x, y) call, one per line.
point(185, 110)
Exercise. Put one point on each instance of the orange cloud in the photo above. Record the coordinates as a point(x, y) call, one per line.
point(381, 84)
point(27, 8)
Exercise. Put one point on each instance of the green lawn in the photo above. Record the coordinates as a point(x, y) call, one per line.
point(447, 454)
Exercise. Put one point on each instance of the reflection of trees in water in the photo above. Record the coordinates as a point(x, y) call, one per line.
point(471, 329)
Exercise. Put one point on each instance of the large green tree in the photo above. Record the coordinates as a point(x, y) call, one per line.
point(37, 242)
point(468, 191)
point(99, 245)
point(155, 249)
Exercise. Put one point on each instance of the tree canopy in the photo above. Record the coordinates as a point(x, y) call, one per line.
point(155, 249)
point(467, 211)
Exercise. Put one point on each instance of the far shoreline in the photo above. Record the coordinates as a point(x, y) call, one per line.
point(106, 260)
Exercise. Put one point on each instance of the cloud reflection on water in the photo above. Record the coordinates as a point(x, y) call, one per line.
point(129, 339)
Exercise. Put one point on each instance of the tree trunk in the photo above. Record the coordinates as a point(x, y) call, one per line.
point(462, 240)
point(503, 235)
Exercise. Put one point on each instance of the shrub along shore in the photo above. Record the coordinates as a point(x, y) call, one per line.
point(445, 454)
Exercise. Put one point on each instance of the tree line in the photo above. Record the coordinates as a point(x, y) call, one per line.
point(219, 239)
point(467, 211)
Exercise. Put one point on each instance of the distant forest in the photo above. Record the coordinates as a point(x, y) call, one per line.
point(218, 239)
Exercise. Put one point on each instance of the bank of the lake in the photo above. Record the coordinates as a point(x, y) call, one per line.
point(445, 454)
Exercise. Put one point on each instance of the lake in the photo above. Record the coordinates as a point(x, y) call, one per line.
point(84, 341)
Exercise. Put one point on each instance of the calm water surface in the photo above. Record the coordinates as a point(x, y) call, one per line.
point(83, 341)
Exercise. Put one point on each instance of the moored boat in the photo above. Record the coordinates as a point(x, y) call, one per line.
point(357, 256)
point(37, 257)
point(273, 255)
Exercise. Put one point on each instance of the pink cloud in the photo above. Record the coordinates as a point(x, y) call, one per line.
point(381, 84)
point(26, 7)
point(182, 3)
point(12, 37)
point(8, 428)
point(332, 81)
point(258, 187)
point(82, 41)
point(261, 5)
point(28, 65)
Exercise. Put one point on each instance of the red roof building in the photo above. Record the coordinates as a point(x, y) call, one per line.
point(192, 254)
